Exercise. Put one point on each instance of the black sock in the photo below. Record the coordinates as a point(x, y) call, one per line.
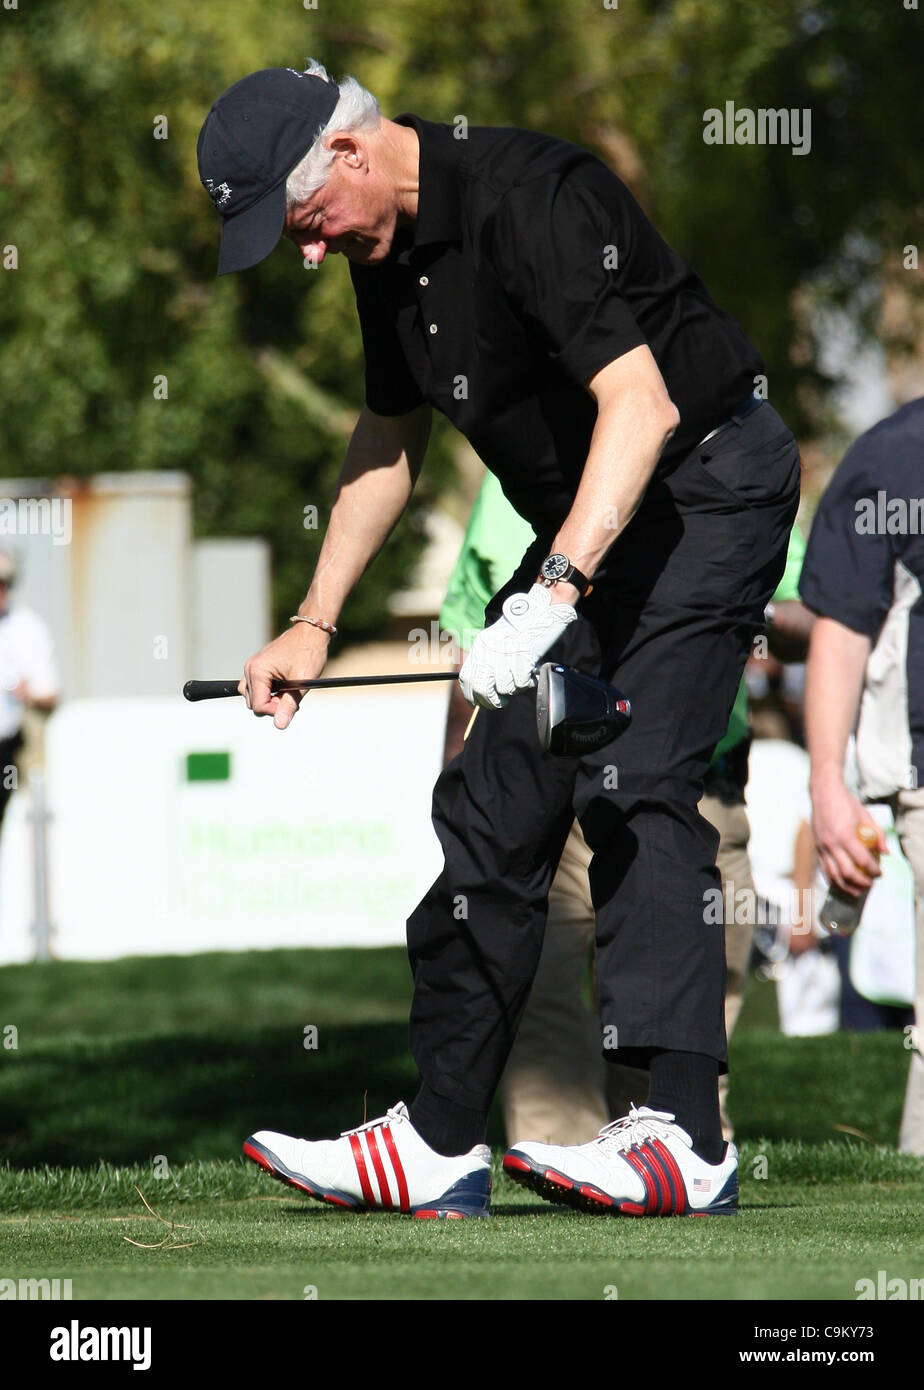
point(448, 1128)
point(687, 1085)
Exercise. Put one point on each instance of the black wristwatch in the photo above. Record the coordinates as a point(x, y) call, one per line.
point(556, 569)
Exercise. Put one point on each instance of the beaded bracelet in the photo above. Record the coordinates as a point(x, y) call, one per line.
point(315, 622)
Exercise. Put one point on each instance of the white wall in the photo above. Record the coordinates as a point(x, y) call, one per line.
point(322, 835)
point(232, 605)
point(135, 605)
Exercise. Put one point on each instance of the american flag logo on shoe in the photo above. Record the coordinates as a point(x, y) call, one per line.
point(641, 1165)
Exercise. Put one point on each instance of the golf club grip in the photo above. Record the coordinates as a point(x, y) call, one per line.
point(210, 690)
point(217, 690)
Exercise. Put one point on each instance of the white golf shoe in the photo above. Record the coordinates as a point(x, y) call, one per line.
point(642, 1165)
point(383, 1165)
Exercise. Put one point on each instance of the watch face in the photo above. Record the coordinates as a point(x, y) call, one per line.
point(555, 567)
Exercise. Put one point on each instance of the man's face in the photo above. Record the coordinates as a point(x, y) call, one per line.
point(355, 213)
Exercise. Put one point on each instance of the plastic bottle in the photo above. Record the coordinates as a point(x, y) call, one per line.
point(841, 912)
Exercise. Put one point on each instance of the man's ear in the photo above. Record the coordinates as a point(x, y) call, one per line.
point(346, 147)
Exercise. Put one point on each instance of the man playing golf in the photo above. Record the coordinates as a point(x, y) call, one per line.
point(510, 280)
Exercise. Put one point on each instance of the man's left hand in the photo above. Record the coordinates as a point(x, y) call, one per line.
point(504, 657)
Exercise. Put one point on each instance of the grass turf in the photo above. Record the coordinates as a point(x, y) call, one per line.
point(128, 1070)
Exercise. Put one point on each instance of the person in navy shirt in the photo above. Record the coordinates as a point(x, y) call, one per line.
point(862, 576)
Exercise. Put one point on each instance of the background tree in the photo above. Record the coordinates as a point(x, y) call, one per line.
point(117, 244)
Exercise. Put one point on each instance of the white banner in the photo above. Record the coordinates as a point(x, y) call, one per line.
point(179, 828)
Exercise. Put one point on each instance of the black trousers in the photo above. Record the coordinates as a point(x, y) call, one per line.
point(670, 622)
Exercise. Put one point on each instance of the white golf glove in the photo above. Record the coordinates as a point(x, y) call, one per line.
point(504, 657)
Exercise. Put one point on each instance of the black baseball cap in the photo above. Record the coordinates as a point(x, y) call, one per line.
point(251, 140)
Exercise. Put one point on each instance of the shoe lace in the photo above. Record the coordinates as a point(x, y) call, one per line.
point(394, 1115)
point(633, 1129)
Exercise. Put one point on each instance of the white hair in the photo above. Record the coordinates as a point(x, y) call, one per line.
point(357, 109)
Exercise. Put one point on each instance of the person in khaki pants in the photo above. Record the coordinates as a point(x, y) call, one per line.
point(908, 811)
point(557, 1087)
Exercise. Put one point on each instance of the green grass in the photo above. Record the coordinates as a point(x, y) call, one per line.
point(250, 1238)
point(119, 1063)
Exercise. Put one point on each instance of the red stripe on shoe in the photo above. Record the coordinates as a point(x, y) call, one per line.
point(634, 1159)
point(670, 1162)
point(379, 1167)
point(392, 1148)
point(359, 1160)
point(665, 1203)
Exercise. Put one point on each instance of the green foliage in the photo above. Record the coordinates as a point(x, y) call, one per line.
point(116, 288)
point(117, 242)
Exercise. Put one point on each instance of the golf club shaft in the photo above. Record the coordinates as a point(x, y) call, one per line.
point(217, 690)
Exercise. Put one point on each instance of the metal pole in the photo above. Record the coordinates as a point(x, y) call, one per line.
point(40, 816)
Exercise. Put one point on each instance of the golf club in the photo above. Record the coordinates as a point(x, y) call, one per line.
point(217, 690)
point(575, 713)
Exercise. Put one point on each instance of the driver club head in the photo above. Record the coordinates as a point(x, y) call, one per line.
point(577, 714)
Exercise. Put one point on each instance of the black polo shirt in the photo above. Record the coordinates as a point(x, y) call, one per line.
point(529, 267)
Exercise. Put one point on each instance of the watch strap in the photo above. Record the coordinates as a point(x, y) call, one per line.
point(571, 576)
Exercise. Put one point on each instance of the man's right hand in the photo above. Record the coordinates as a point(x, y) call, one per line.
point(298, 654)
point(845, 860)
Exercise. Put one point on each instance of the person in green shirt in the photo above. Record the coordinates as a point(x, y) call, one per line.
point(556, 1087)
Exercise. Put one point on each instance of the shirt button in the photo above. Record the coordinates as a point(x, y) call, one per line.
point(424, 280)
point(433, 328)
